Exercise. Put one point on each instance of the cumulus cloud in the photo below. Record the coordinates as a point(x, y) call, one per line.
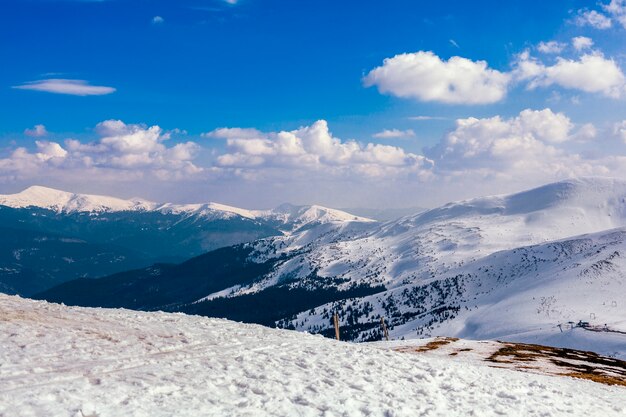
point(37, 131)
point(65, 86)
point(551, 47)
point(132, 146)
point(394, 133)
point(594, 19)
point(528, 147)
point(314, 148)
point(582, 42)
point(617, 9)
point(122, 151)
point(614, 11)
point(477, 156)
point(426, 77)
point(592, 73)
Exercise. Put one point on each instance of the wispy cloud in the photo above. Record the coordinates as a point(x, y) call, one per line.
point(66, 86)
point(394, 134)
point(551, 47)
point(37, 131)
point(420, 118)
point(157, 20)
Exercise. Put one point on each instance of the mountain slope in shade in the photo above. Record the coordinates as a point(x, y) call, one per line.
point(32, 261)
point(77, 361)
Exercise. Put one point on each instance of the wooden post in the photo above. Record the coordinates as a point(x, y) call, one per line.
point(336, 323)
point(385, 332)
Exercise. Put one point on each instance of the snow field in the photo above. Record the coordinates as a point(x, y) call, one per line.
point(58, 360)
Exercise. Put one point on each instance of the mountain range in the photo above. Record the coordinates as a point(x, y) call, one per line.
point(51, 236)
point(535, 266)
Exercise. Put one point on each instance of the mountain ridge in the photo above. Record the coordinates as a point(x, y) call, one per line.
point(67, 202)
point(423, 272)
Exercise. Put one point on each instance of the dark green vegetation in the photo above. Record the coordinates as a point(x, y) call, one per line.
point(163, 286)
point(41, 248)
point(177, 287)
point(31, 261)
point(275, 303)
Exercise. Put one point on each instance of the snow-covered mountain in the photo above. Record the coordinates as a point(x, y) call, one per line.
point(62, 201)
point(523, 267)
point(289, 216)
point(79, 235)
point(59, 360)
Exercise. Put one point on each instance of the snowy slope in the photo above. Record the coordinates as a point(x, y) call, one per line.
point(434, 242)
point(511, 266)
point(58, 360)
point(62, 201)
point(519, 295)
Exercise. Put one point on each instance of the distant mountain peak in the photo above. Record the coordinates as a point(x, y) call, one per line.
point(63, 201)
point(67, 202)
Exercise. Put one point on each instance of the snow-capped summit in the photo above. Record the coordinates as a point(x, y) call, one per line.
point(299, 216)
point(62, 201)
point(65, 202)
point(596, 196)
point(214, 210)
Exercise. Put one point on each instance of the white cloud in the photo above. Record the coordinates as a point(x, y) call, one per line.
point(157, 20)
point(122, 152)
point(132, 146)
point(528, 147)
point(551, 47)
point(617, 9)
point(614, 11)
point(592, 73)
point(37, 131)
point(65, 86)
point(394, 133)
point(594, 19)
point(233, 133)
point(619, 130)
point(49, 150)
point(314, 149)
point(582, 42)
point(422, 118)
point(309, 164)
point(426, 77)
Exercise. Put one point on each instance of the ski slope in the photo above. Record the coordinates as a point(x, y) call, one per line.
point(58, 360)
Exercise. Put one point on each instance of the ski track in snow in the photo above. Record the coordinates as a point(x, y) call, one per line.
point(58, 360)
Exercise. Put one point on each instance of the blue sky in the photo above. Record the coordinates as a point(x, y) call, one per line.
point(193, 66)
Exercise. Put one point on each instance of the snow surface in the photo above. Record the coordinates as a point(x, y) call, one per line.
point(62, 201)
point(58, 360)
